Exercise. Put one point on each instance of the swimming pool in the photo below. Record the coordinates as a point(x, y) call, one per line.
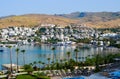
point(115, 74)
point(74, 78)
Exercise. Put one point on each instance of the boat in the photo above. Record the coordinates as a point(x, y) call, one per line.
point(1, 50)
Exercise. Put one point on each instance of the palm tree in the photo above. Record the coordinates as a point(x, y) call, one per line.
point(43, 64)
point(97, 62)
point(10, 47)
point(31, 64)
point(53, 49)
point(76, 54)
point(17, 52)
point(23, 51)
point(39, 62)
point(61, 61)
point(68, 55)
point(64, 60)
point(48, 62)
point(34, 63)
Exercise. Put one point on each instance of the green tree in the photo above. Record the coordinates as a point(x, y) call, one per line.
point(68, 55)
point(37, 39)
point(31, 64)
point(64, 59)
point(23, 51)
point(53, 49)
point(17, 52)
point(42, 30)
point(43, 64)
point(28, 68)
point(76, 54)
point(29, 40)
point(39, 62)
point(48, 62)
point(97, 68)
point(10, 47)
point(34, 63)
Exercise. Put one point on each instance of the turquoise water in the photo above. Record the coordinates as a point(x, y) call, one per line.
point(41, 53)
point(75, 78)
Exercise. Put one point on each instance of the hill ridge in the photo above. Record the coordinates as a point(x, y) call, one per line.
point(92, 19)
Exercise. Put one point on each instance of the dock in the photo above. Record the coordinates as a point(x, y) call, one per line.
point(14, 66)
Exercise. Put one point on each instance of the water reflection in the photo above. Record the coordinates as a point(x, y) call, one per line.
point(41, 53)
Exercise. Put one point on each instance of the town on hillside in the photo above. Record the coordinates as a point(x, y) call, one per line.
point(56, 35)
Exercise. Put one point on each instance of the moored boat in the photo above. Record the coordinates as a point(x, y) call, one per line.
point(1, 50)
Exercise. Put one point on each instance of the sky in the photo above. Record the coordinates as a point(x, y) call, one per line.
point(20, 7)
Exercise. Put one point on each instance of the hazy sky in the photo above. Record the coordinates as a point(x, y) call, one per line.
point(18, 7)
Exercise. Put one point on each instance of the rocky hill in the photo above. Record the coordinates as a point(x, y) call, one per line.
point(103, 16)
point(92, 19)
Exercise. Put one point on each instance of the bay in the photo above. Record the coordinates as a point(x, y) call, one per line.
point(41, 53)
